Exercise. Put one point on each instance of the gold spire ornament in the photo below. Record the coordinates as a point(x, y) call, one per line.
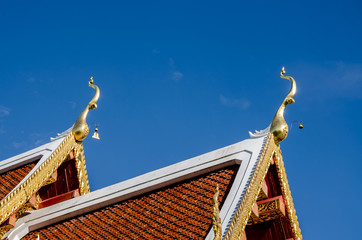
point(216, 221)
point(279, 128)
point(80, 129)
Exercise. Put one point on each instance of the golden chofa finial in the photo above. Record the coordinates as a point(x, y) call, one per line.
point(80, 129)
point(279, 128)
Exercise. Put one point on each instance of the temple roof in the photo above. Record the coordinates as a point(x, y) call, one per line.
point(172, 201)
point(180, 211)
point(25, 178)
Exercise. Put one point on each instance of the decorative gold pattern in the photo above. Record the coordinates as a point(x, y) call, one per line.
point(50, 180)
point(289, 205)
point(268, 210)
point(24, 191)
point(80, 129)
point(81, 169)
point(216, 221)
point(279, 128)
point(5, 229)
point(242, 213)
point(23, 209)
point(263, 193)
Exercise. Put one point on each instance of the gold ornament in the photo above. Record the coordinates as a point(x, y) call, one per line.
point(216, 221)
point(279, 128)
point(80, 129)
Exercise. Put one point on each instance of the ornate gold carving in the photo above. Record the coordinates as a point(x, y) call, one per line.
point(263, 193)
point(242, 213)
point(80, 129)
point(51, 179)
point(5, 229)
point(23, 192)
point(81, 168)
point(279, 128)
point(268, 210)
point(289, 205)
point(216, 221)
point(23, 209)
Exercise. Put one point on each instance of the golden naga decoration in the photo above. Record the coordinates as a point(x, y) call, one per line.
point(279, 128)
point(80, 129)
point(216, 221)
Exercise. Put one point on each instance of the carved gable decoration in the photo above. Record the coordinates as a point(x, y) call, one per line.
point(60, 176)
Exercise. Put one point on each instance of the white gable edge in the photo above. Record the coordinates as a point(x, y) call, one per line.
point(238, 188)
point(41, 153)
point(245, 153)
point(29, 156)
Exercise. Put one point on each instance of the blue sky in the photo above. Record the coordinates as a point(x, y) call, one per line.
point(181, 78)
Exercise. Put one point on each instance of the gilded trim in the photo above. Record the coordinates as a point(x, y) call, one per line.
point(287, 195)
point(23, 192)
point(5, 229)
point(23, 209)
point(50, 180)
point(81, 168)
point(242, 213)
point(268, 209)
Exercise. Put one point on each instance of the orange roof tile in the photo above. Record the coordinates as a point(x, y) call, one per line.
point(180, 211)
point(9, 179)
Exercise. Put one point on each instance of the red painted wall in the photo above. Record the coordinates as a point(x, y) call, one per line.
point(278, 229)
point(67, 181)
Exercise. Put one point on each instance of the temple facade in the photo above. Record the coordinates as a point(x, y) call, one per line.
point(237, 192)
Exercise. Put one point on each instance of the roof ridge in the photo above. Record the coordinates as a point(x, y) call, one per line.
point(61, 135)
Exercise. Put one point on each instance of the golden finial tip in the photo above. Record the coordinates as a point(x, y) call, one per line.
point(91, 80)
point(282, 72)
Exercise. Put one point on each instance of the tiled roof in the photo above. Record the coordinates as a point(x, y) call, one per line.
point(11, 178)
point(180, 211)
